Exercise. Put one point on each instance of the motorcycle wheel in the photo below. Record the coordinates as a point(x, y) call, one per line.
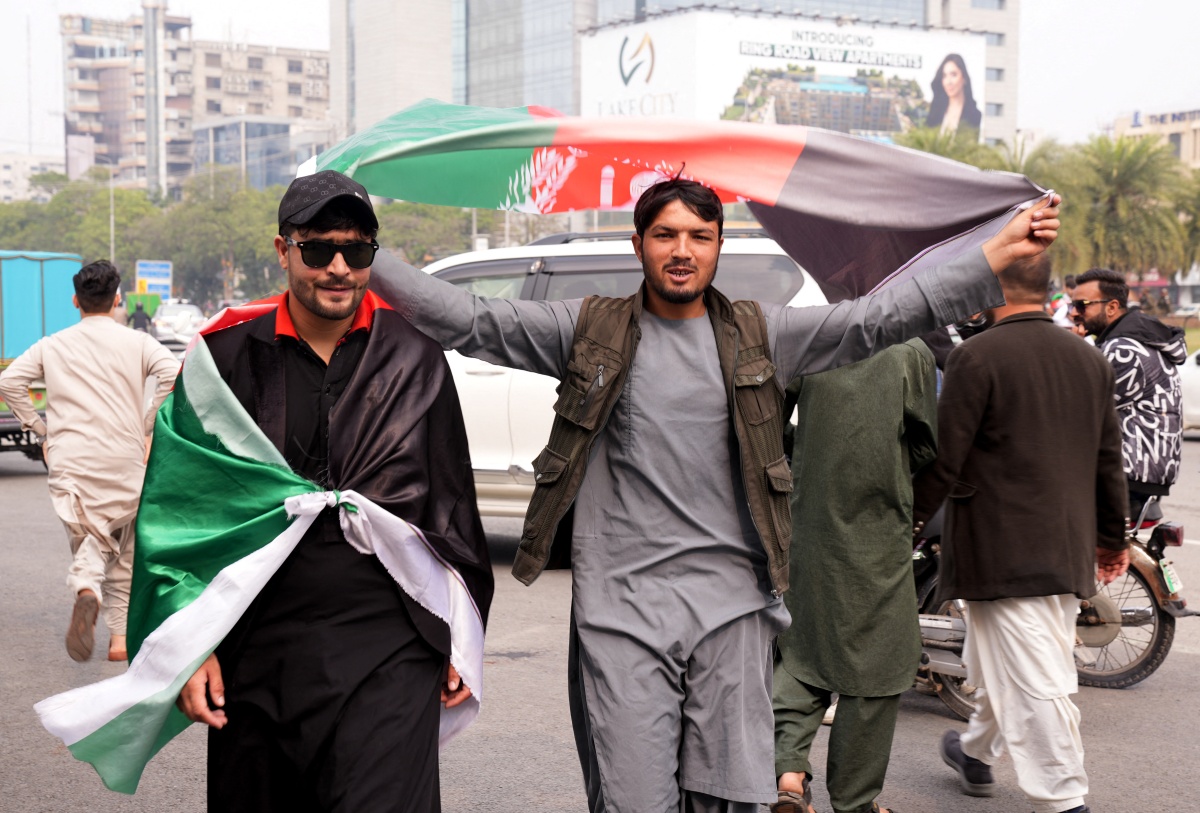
point(955, 692)
point(1137, 650)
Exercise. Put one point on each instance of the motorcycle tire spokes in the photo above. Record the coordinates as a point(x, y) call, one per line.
point(1135, 635)
point(955, 692)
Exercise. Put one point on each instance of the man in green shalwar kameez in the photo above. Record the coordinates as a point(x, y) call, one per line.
point(863, 431)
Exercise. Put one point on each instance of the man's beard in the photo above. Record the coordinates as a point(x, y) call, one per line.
point(1096, 325)
point(306, 292)
point(673, 295)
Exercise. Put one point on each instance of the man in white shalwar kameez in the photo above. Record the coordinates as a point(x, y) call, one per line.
point(94, 439)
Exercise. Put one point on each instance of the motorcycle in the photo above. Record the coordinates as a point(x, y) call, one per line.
point(1122, 634)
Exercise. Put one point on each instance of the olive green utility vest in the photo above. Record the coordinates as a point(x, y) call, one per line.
point(602, 351)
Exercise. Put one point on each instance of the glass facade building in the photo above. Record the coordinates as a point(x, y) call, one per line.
point(508, 53)
point(261, 150)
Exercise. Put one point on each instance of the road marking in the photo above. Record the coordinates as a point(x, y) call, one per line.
point(1191, 541)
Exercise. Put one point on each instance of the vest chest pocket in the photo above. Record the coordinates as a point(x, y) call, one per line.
point(591, 370)
point(757, 396)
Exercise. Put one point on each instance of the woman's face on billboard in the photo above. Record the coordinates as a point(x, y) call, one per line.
point(952, 80)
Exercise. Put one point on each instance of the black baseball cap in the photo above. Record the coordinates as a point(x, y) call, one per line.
point(309, 194)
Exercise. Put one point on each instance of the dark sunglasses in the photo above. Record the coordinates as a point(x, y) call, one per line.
point(1078, 304)
point(319, 253)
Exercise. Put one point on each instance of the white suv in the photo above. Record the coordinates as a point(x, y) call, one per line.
point(508, 413)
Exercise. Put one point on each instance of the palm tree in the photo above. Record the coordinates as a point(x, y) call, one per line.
point(1189, 210)
point(964, 146)
point(1120, 193)
point(1040, 163)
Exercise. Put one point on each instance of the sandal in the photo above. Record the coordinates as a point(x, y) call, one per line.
point(875, 808)
point(792, 802)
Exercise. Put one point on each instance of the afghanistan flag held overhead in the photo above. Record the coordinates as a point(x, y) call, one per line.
point(854, 213)
point(221, 511)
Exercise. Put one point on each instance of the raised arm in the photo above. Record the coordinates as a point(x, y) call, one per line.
point(14, 388)
point(808, 340)
point(533, 336)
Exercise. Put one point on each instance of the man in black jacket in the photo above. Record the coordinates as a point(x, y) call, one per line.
point(1145, 355)
point(1024, 533)
point(325, 695)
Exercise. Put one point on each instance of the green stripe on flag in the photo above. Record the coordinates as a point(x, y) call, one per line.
point(202, 507)
point(452, 155)
point(120, 750)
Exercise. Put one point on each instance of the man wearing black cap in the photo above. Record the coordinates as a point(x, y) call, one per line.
point(325, 695)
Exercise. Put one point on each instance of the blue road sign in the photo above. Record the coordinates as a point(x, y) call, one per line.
point(154, 277)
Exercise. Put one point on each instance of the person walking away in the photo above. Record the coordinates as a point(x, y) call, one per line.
point(862, 432)
point(140, 320)
point(95, 440)
point(1027, 534)
point(1145, 356)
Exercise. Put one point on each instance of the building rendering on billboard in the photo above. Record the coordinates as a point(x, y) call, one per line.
point(868, 80)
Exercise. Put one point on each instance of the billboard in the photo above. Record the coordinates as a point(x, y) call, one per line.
point(869, 80)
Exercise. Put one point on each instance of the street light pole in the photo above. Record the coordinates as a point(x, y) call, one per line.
point(112, 209)
point(112, 220)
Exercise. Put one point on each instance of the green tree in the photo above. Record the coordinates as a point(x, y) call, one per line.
point(219, 238)
point(77, 220)
point(1041, 163)
point(421, 233)
point(959, 146)
point(1188, 202)
point(1121, 206)
point(49, 182)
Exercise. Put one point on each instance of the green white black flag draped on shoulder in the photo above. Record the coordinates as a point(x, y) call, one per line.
point(221, 511)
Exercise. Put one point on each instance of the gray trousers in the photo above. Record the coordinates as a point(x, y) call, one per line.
point(860, 742)
point(647, 739)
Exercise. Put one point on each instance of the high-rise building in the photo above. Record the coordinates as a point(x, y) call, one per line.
point(508, 53)
point(1179, 130)
point(17, 169)
point(109, 99)
point(385, 55)
point(520, 52)
point(235, 79)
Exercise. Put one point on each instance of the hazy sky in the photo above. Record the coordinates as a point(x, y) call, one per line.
point(1082, 62)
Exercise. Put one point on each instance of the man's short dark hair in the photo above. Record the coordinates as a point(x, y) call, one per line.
point(1027, 281)
point(702, 201)
point(96, 286)
point(340, 214)
point(1112, 284)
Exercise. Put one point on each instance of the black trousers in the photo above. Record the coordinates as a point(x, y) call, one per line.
point(381, 756)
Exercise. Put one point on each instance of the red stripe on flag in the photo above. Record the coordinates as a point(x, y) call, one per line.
point(540, 112)
point(613, 160)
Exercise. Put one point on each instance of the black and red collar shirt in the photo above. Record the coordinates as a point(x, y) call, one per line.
point(313, 387)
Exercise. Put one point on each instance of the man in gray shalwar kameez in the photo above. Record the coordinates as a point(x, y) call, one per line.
point(674, 610)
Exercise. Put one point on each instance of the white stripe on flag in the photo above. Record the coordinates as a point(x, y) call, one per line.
point(186, 636)
point(432, 583)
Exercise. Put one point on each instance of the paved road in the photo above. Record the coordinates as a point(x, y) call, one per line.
point(519, 758)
